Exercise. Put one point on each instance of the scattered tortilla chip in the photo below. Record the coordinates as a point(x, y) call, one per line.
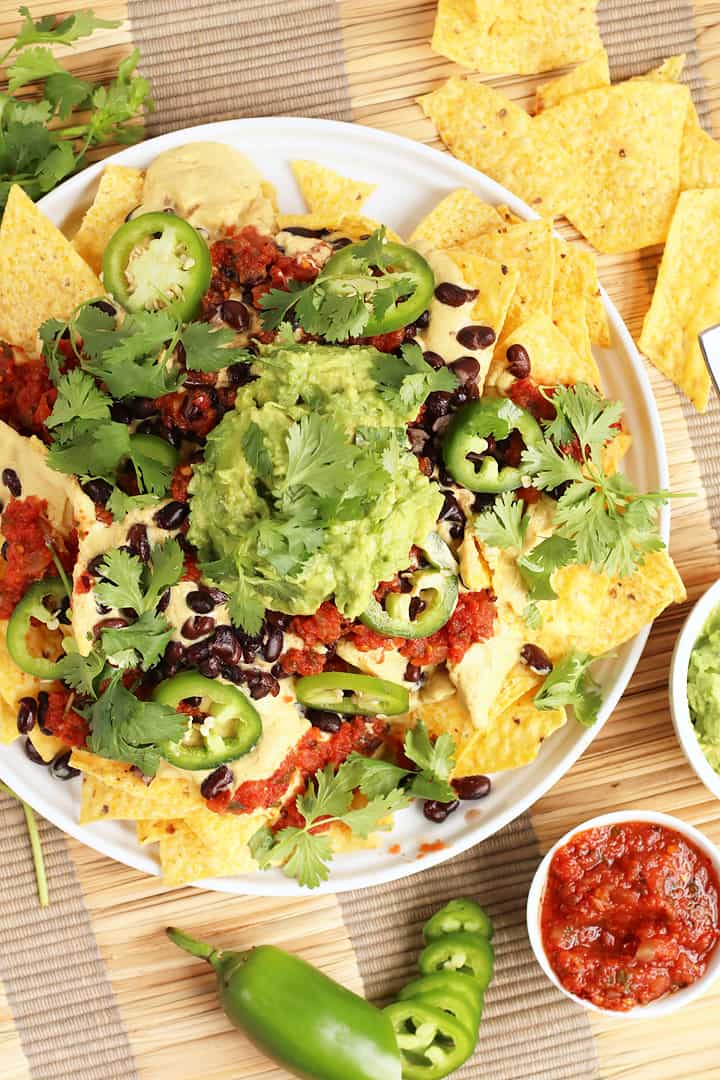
point(554, 361)
point(699, 156)
point(569, 309)
point(486, 129)
point(669, 71)
point(120, 191)
point(327, 192)
point(625, 169)
point(685, 300)
point(149, 831)
point(588, 76)
point(41, 274)
point(457, 218)
point(517, 37)
point(514, 739)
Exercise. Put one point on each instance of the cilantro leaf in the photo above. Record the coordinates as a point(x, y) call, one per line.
point(132, 359)
point(537, 565)
point(436, 758)
point(80, 672)
point(143, 641)
point(207, 349)
point(90, 448)
point(364, 820)
point(410, 377)
point(549, 467)
point(254, 449)
point(372, 776)
point(167, 568)
point(78, 399)
point(319, 454)
point(123, 728)
point(582, 412)
point(570, 683)
point(33, 65)
point(120, 505)
point(64, 92)
point(50, 333)
point(60, 31)
point(504, 524)
point(302, 855)
point(246, 608)
point(327, 796)
point(121, 586)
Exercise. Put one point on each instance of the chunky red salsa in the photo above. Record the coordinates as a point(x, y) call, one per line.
point(630, 913)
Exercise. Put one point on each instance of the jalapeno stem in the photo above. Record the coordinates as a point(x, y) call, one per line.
point(193, 946)
point(35, 846)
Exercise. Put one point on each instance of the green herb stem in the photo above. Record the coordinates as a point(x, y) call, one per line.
point(35, 845)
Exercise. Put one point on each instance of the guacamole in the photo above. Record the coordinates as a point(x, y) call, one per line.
point(308, 489)
point(704, 689)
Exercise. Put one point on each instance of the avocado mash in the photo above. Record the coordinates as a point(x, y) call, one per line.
point(308, 489)
point(703, 689)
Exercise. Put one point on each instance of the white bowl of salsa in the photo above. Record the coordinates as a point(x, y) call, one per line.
point(622, 914)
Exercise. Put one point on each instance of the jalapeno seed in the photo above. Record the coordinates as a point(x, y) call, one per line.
point(471, 787)
point(518, 361)
point(454, 295)
point(216, 782)
point(11, 480)
point(476, 337)
point(537, 660)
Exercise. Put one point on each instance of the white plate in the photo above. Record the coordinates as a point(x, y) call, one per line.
point(411, 178)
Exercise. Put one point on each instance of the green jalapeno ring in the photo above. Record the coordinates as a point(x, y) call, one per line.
point(229, 708)
point(352, 695)
point(436, 586)
point(432, 1043)
point(157, 260)
point(454, 1005)
point(32, 606)
point(446, 982)
point(462, 913)
point(470, 954)
point(468, 432)
point(405, 261)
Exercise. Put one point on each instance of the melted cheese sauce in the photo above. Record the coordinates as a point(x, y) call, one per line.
point(445, 321)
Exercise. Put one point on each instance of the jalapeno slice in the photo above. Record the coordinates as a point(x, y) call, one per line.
point(467, 953)
point(462, 913)
point(155, 261)
point(468, 435)
point(352, 695)
point(432, 1043)
point(446, 982)
point(231, 729)
point(42, 601)
point(399, 259)
point(436, 588)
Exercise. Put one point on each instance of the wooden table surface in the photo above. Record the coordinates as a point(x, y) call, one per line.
point(169, 1009)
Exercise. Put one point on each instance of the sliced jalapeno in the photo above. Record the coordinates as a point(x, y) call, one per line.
point(436, 587)
point(155, 261)
point(42, 601)
point(432, 1043)
point(352, 695)
point(469, 954)
point(463, 913)
point(466, 443)
point(231, 729)
point(446, 982)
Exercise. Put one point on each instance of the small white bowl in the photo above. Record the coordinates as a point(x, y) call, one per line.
point(684, 728)
point(665, 1005)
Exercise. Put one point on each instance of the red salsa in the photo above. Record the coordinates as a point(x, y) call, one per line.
point(630, 913)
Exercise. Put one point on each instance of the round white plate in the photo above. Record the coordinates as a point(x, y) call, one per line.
point(411, 178)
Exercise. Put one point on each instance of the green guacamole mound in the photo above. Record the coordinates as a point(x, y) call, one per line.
point(308, 489)
point(703, 689)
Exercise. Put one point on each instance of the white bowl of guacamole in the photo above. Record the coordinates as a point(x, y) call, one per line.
point(695, 688)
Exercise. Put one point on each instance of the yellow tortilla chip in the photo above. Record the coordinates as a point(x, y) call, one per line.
point(625, 168)
point(174, 794)
point(8, 722)
point(569, 309)
point(496, 284)
point(516, 37)
point(327, 192)
point(150, 830)
point(508, 216)
point(486, 129)
point(14, 683)
point(686, 298)
point(354, 227)
point(588, 76)
point(513, 739)
point(553, 359)
point(120, 191)
point(186, 856)
point(669, 71)
point(109, 801)
point(484, 668)
point(457, 218)
point(614, 452)
point(47, 746)
point(596, 613)
point(41, 274)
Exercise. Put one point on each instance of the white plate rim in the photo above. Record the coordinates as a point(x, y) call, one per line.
point(57, 206)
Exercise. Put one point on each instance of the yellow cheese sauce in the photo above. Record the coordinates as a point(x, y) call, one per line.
point(445, 321)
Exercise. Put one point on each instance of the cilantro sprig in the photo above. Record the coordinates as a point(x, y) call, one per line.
point(124, 728)
point(410, 378)
point(304, 854)
point(570, 683)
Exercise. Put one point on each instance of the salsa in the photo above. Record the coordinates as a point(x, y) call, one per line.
point(630, 913)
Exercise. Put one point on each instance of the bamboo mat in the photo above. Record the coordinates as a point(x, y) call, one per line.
point(153, 1012)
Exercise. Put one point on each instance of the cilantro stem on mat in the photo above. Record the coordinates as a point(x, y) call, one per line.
point(35, 846)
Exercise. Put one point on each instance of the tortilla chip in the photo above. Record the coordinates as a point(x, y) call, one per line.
point(169, 796)
point(686, 298)
point(486, 129)
point(528, 249)
point(569, 310)
point(595, 313)
point(352, 226)
point(699, 157)
point(120, 191)
point(47, 746)
point(593, 73)
point(508, 216)
point(8, 722)
point(625, 168)
point(669, 71)
point(496, 285)
point(614, 452)
point(327, 192)
point(187, 856)
point(14, 683)
point(517, 37)
point(596, 613)
point(554, 361)
point(457, 218)
point(150, 830)
point(484, 668)
point(41, 274)
point(513, 739)
point(110, 801)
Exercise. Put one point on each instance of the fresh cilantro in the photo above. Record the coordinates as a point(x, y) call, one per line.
point(583, 413)
point(120, 585)
point(434, 759)
point(549, 467)
point(90, 448)
point(81, 672)
point(78, 399)
point(207, 349)
point(537, 565)
point(123, 728)
point(120, 505)
point(320, 457)
point(570, 683)
point(504, 525)
point(254, 449)
point(167, 568)
point(67, 31)
point(410, 378)
point(148, 636)
point(132, 358)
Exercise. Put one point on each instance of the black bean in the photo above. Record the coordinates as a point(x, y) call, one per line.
point(61, 768)
point(33, 754)
point(26, 714)
point(418, 437)
point(210, 668)
point(198, 626)
point(423, 321)
point(162, 604)
point(232, 673)
point(239, 374)
point(137, 541)
point(116, 622)
point(261, 683)
point(200, 601)
point(11, 480)
point(216, 782)
point(436, 405)
point(341, 242)
point(120, 413)
point(105, 306)
point(518, 361)
point(537, 660)
point(482, 501)
point(102, 609)
point(413, 673)
point(472, 787)
point(302, 230)
point(467, 369)
point(441, 425)
point(172, 515)
point(98, 490)
point(197, 653)
point(434, 359)
point(235, 314)
point(325, 721)
point(454, 295)
point(476, 337)
point(95, 566)
point(174, 657)
point(279, 672)
point(451, 509)
point(438, 811)
point(142, 407)
point(218, 596)
point(225, 645)
point(272, 646)
point(415, 608)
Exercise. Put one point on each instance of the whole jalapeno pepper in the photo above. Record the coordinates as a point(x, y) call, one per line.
point(470, 954)
point(467, 435)
point(462, 913)
point(299, 1017)
point(436, 586)
point(34, 605)
point(431, 1042)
